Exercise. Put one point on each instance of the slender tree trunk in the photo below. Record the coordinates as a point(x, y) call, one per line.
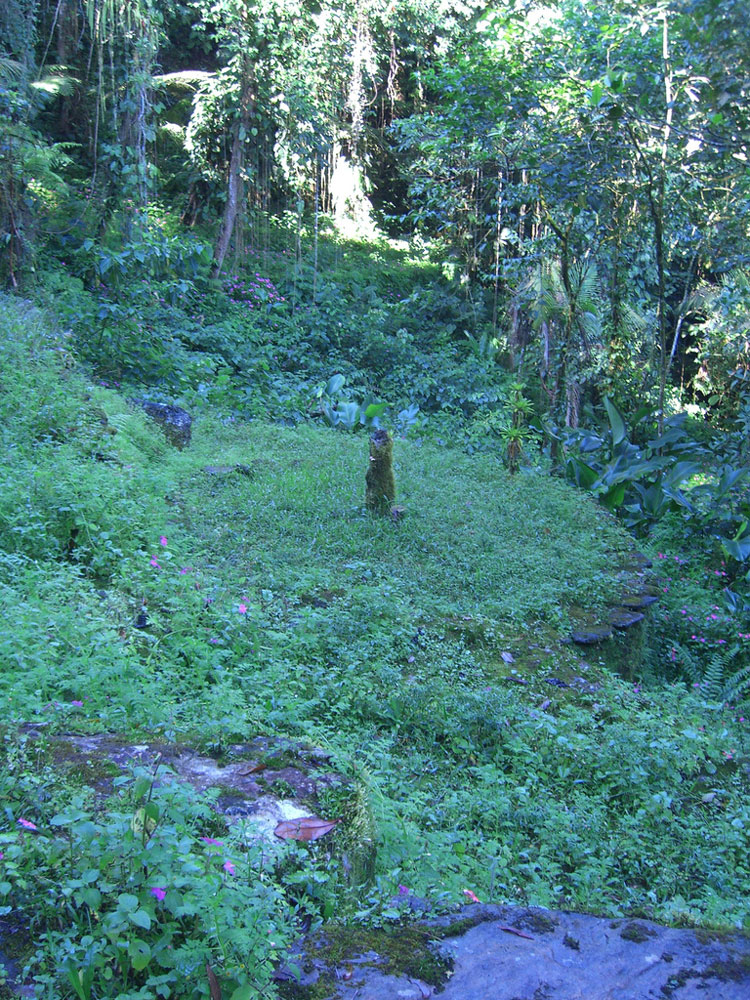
point(235, 182)
point(234, 194)
point(317, 227)
point(498, 233)
point(657, 213)
point(561, 380)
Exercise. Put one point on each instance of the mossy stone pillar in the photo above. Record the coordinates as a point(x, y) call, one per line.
point(381, 486)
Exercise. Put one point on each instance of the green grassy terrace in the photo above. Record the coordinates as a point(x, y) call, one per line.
point(277, 606)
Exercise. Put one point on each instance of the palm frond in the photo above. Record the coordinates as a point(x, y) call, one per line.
point(56, 82)
point(183, 81)
point(11, 70)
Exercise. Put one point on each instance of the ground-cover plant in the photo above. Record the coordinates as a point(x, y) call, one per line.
point(252, 594)
point(702, 633)
point(136, 899)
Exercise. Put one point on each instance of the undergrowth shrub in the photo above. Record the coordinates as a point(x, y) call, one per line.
point(40, 385)
point(697, 634)
point(134, 900)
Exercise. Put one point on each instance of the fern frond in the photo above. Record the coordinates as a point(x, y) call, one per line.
point(714, 676)
point(737, 687)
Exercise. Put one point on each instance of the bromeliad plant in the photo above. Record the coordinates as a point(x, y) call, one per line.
point(517, 433)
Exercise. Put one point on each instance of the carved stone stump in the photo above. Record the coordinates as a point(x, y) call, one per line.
point(381, 486)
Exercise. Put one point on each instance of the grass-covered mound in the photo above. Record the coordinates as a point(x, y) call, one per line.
point(273, 603)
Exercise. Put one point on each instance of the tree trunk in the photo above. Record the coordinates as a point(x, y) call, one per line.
point(235, 182)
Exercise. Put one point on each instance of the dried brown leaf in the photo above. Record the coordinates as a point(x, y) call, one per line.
point(213, 983)
point(255, 769)
point(305, 828)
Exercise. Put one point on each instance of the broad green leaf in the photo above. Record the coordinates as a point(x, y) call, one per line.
point(729, 478)
point(141, 786)
point(246, 992)
point(737, 550)
point(152, 812)
point(581, 474)
point(681, 473)
point(616, 421)
point(375, 410)
point(613, 497)
point(590, 442)
point(141, 919)
point(139, 954)
point(91, 896)
point(75, 977)
point(334, 384)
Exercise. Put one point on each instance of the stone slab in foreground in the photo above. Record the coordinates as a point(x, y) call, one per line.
point(567, 956)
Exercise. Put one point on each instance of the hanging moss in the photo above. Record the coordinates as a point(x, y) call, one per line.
point(381, 486)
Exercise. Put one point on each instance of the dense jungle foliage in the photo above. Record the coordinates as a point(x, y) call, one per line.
point(516, 236)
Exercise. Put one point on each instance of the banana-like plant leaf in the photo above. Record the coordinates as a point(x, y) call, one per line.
point(581, 474)
point(616, 422)
point(334, 384)
point(739, 546)
point(729, 478)
point(613, 497)
point(590, 442)
point(681, 472)
point(679, 498)
point(737, 550)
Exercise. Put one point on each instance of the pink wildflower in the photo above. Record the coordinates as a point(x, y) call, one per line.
point(163, 540)
point(159, 892)
point(78, 704)
point(474, 898)
point(27, 824)
point(155, 562)
point(242, 609)
point(228, 867)
point(212, 842)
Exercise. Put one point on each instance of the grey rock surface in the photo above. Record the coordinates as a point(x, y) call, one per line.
point(174, 421)
point(246, 779)
point(569, 956)
point(591, 636)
